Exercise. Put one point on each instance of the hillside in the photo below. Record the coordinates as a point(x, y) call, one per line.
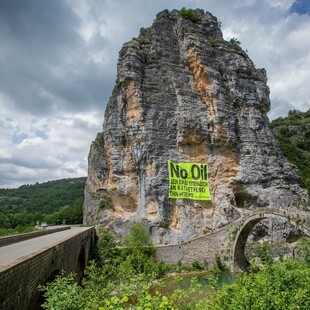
point(50, 201)
point(293, 133)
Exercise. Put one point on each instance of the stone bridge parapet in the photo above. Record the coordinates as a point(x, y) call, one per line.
point(21, 237)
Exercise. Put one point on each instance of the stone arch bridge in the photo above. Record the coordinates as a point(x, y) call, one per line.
point(229, 241)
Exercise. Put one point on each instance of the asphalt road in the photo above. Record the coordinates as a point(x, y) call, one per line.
point(13, 254)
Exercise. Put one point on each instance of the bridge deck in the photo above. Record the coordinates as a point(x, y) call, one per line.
point(16, 253)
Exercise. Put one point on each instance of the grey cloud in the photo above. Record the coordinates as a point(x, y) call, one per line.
point(280, 108)
point(37, 36)
point(33, 162)
point(12, 176)
point(9, 175)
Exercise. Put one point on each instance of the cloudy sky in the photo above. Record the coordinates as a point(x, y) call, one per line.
point(58, 66)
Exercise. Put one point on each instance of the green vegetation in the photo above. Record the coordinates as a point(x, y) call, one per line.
point(165, 224)
point(220, 265)
point(293, 133)
point(17, 230)
point(236, 44)
point(235, 41)
point(283, 285)
point(129, 278)
point(212, 41)
point(304, 245)
point(121, 277)
point(51, 202)
point(264, 254)
point(144, 40)
point(104, 205)
point(188, 14)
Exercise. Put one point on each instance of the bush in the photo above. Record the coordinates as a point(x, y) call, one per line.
point(212, 42)
point(264, 255)
point(63, 293)
point(220, 265)
point(188, 14)
point(106, 247)
point(104, 206)
point(139, 253)
point(138, 238)
point(234, 41)
point(279, 286)
point(164, 224)
point(304, 244)
point(196, 265)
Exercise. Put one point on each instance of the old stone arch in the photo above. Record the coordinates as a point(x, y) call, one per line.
point(239, 259)
point(38, 297)
point(81, 264)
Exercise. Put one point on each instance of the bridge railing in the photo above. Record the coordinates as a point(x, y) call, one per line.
point(21, 237)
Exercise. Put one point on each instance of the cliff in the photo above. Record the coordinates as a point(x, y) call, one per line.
point(184, 94)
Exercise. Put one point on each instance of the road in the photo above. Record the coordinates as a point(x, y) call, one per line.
point(13, 254)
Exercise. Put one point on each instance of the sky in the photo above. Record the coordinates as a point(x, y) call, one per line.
point(58, 67)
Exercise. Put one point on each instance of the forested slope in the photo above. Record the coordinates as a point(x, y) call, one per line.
point(51, 201)
point(293, 133)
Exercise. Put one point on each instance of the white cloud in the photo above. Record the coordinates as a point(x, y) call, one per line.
point(61, 153)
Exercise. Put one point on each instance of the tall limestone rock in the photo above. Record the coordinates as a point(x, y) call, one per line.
point(184, 94)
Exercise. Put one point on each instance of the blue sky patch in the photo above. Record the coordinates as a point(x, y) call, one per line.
point(41, 134)
point(301, 7)
point(19, 137)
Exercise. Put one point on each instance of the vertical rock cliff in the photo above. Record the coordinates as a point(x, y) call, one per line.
point(184, 94)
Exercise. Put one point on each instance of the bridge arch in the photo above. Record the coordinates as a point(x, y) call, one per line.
point(239, 259)
point(38, 298)
point(81, 263)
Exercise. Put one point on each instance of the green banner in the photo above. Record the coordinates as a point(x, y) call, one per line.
point(188, 181)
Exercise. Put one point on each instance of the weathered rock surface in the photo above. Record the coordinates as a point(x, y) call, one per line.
point(184, 94)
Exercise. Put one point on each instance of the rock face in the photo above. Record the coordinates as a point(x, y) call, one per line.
point(184, 94)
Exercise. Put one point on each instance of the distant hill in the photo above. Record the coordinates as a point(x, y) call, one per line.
point(293, 133)
point(51, 201)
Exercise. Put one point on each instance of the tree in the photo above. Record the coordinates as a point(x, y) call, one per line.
point(138, 237)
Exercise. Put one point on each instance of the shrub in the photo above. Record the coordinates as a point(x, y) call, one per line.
point(264, 255)
point(212, 42)
point(304, 244)
point(139, 253)
point(164, 224)
point(234, 41)
point(63, 293)
point(284, 285)
point(138, 237)
point(220, 265)
point(144, 40)
point(105, 206)
point(188, 14)
point(196, 265)
point(106, 247)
